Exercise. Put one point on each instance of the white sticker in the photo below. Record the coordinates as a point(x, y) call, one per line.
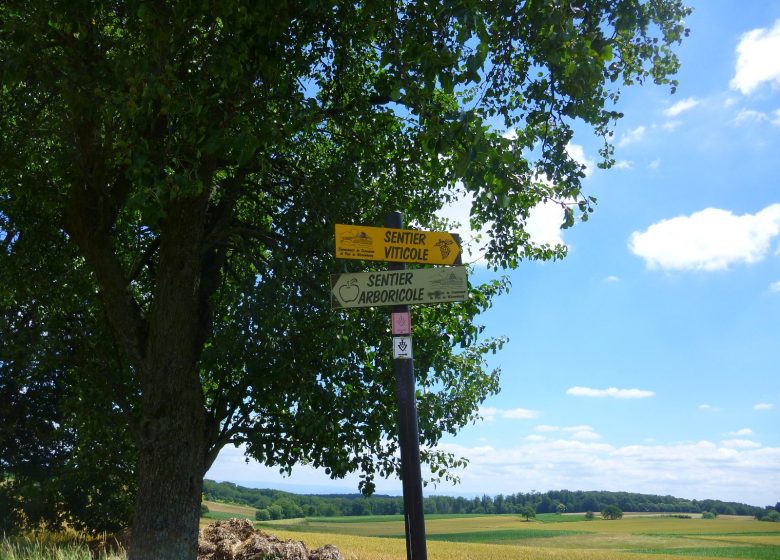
point(402, 347)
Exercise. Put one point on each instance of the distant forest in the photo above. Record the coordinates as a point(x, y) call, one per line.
point(285, 505)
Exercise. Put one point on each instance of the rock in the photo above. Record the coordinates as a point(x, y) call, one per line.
point(236, 539)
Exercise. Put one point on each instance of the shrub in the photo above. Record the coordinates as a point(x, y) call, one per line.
point(262, 515)
point(589, 515)
point(773, 516)
point(708, 515)
point(204, 509)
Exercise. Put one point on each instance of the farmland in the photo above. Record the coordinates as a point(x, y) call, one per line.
point(549, 537)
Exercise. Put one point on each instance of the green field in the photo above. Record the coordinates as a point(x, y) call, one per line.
point(551, 537)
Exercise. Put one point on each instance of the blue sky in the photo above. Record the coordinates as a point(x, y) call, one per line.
point(648, 359)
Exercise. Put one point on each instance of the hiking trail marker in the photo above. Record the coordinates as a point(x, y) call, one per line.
point(400, 287)
point(397, 245)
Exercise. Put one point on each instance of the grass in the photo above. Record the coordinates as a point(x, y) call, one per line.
point(48, 548)
point(553, 537)
point(479, 537)
point(500, 536)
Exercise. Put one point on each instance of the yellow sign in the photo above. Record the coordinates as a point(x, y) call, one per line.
point(396, 245)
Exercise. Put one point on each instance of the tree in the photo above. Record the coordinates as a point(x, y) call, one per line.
point(612, 512)
point(528, 512)
point(560, 509)
point(262, 514)
point(187, 161)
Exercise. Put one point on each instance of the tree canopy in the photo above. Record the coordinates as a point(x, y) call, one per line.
point(171, 174)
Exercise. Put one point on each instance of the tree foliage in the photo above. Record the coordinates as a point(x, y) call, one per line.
point(171, 173)
point(612, 512)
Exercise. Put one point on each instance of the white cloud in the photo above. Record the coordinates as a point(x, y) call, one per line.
point(708, 407)
point(711, 239)
point(763, 406)
point(546, 428)
point(520, 414)
point(740, 444)
point(649, 468)
point(612, 279)
point(681, 106)
point(577, 153)
point(632, 136)
point(738, 433)
point(534, 437)
point(775, 286)
point(613, 392)
point(746, 116)
point(671, 125)
point(581, 432)
point(544, 224)
point(757, 60)
point(654, 165)
point(491, 413)
point(623, 164)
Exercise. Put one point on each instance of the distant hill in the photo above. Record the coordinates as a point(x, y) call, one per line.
point(280, 504)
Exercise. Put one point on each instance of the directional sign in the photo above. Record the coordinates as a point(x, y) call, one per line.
point(398, 287)
point(396, 245)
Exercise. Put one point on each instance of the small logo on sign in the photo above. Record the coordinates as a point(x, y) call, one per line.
point(402, 322)
point(402, 347)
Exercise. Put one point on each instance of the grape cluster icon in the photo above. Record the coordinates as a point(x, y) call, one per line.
point(444, 247)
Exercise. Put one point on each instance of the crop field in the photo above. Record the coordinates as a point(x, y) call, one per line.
point(548, 538)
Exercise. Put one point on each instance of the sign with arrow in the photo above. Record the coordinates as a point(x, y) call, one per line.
point(397, 245)
point(398, 287)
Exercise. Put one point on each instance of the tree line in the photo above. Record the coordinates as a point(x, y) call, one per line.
point(285, 505)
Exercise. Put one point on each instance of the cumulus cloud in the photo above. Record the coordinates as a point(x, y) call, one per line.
point(612, 279)
point(711, 239)
point(632, 136)
point(491, 413)
point(740, 444)
point(740, 433)
point(649, 468)
point(671, 126)
point(775, 286)
point(613, 392)
point(763, 406)
point(581, 432)
point(746, 116)
point(681, 106)
point(708, 407)
point(623, 164)
point(757, 60)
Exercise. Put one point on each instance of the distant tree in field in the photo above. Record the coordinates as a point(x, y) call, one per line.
point(708, 515)
point(773, 516)
point(560, 508)
point(589, 515)
point(204, 509)
point(612, 512)
point(528, 512)
point(262, 515)
point(276, 511)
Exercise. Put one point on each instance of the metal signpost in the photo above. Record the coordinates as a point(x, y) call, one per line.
point(398, 287)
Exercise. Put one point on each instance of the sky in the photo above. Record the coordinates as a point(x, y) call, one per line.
point(648, 360)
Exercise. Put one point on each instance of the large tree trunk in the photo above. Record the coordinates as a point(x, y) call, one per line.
point(172, 430)
point(171, 467)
